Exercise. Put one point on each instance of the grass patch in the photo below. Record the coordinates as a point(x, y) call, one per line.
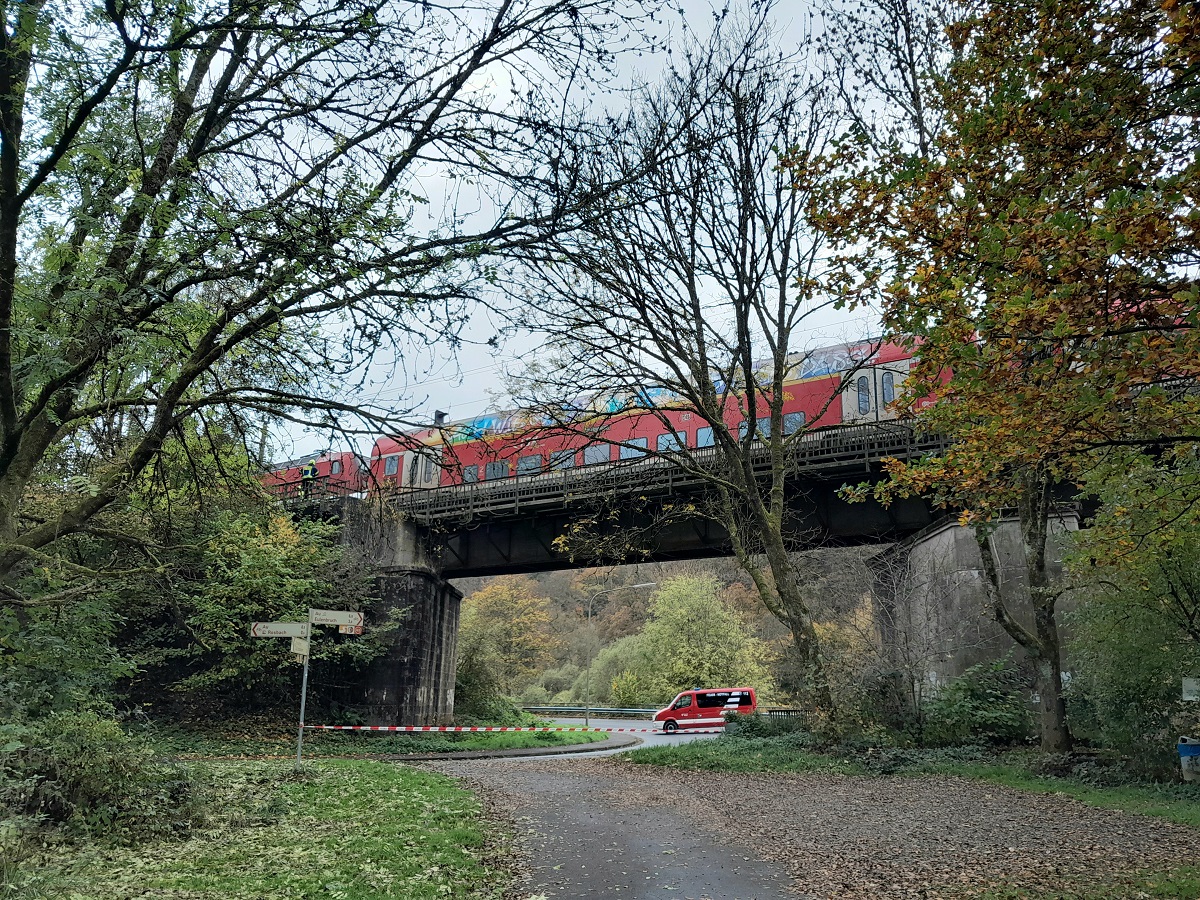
point(192, 744)
point(1174, 802)
point(730, 753)
point(1182, 884)
point(352, 829)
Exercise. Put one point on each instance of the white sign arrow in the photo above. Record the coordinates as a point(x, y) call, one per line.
point(334, 617)
point(279, 629)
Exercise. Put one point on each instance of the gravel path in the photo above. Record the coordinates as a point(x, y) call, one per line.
point(719, 836)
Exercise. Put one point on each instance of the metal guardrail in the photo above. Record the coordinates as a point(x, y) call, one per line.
point(320, 488)
point(837, 447)
point(602, 711)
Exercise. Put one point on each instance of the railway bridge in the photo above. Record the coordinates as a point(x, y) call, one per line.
point(421, 538)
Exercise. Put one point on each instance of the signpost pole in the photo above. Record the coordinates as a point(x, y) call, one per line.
point(303, 696)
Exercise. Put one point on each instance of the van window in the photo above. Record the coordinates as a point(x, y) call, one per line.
point(683, 702)
point(711, 699)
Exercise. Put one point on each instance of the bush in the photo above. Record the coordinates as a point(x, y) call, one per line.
point(758, 726)
point(81, 771)
point(987, 704)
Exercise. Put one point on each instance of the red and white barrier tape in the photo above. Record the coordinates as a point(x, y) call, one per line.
point(495, 728)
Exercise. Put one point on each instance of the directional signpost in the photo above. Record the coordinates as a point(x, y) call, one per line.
point(348, 622)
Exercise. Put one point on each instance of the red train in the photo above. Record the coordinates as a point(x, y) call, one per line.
point(332, 475)
point(506, 445)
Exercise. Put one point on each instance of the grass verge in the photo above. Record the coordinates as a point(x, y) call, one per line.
point(189, 744)
point(350, 829)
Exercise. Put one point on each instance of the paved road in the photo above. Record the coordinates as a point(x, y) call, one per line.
point(586, 838)
point(586, 835)
point(608, 828)
point(648, 738)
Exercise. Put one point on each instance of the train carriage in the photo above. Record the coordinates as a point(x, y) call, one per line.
point(512, 444)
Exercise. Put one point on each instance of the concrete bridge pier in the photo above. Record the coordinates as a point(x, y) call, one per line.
point(412, 683)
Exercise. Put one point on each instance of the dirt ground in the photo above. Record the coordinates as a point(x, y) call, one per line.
point(591, 827)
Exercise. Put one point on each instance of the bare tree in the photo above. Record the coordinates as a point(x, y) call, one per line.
point(696, 284)
point(881, 56)
point(224, 209)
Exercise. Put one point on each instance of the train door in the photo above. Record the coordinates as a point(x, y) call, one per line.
point(872, 390)
point(423, 467)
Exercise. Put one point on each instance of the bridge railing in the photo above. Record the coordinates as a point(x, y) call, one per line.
point(823, 448)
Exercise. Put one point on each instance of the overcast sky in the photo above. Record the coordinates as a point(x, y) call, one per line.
point(467, 382)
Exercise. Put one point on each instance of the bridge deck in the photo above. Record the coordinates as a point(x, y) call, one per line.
point(839, 449)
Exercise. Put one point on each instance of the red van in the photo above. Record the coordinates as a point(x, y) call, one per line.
point(706, 707)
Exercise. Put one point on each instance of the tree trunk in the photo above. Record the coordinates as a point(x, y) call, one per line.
point(1041, 643)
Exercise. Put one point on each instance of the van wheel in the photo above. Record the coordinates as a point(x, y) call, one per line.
point(670, 728)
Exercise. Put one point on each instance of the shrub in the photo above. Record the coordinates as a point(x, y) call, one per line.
point(81, 771)
point(758, 726)
point(987, 704)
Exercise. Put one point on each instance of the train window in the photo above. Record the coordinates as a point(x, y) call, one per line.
point(704, 436)
point(496, 470)
point(864, 394)
point(742, 429)
point(529, 465)
point(335, 468)
point(470, 474)
point(391, 465)
point(672, 440)
point(764, 427)
point(597, 453)
point(889, 387)
point(429, 468)
point(636, 448)
point(562, 459)
point(793, 422)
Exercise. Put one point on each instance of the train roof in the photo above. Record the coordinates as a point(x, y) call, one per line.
point(821, 362)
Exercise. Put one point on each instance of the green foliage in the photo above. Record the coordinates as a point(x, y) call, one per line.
point(987, 704)
point(83, 772)
point(626, 664)
point(272, 570)
point(505, 630)
point(760, 726)
point(345, 829)
point(693, 639)
point(57, 658)
point(627, 690)
point(1136, 574)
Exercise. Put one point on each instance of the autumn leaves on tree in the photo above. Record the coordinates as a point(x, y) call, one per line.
point(1042, 254)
